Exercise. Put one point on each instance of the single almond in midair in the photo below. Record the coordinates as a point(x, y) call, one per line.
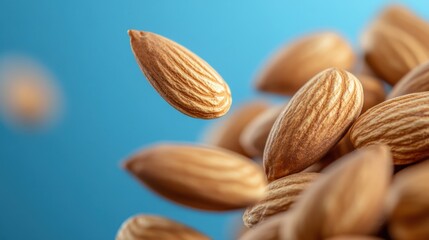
point(201, 177)
point(183, 79)
point(347, 199)
point(226, 133)
point(255, 135)
point(314, 120)
point(415, 81)
point(402, 123)
point(148, 227)
point(408, 203)
point(279, 197)
point(299, 61)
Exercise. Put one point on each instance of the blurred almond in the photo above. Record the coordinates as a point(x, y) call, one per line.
point(267, 230)
point(315, 119)
point(255, 134)
point(226, 133)
point(373, 91)
point(353, 237)
point(401, 122)
point(391, 52)
point(403, 18)
point(183, 79)
point(415, 81)
point(408, 203)
point(295, 64)
point(280, 195)
point(146, 227)
point(347, 200)
point(199, 177)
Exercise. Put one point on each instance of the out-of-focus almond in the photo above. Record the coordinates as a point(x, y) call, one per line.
point(183, 79)
point(403, 18)
point(408, 203)
point(315, 119)
point(267, 230)
point(298, 62)
point(279, 197)
point(401, 122)
point(146, 227)
point(347, 200)
point(256, 133)
point(373, 91)
point(353, 237)
point(226, 133)
point(199, 177)
point(415, 81)
point(392, 52)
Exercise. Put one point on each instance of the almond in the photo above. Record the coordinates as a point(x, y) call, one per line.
point(403, 18)
point(347, 200)
point(373, 91)
point(299, 61)
point(280, 195)
point(184, 80)
point(415, 81)
point(146, 227)
point(408, 203)
point(354, 237)
point(226, 133)
point(199, 177)
point(315, 119)
point(255, 135)
point(267, 230)
point(401, 122)
point(392, 52)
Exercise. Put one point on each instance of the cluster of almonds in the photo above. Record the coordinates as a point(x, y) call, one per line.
point(336, 156)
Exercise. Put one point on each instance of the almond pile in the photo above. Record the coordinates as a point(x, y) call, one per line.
point(343, 158)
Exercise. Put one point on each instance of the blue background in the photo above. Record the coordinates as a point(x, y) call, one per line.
point(65, 182)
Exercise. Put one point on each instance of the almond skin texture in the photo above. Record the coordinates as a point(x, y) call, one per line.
point(355, 237)
point(408, 203)
point(145, 227)
point(184, 80)
point(255, 135)
point(315, 119)
point(347, 200)
point(403, 18)
point(401, 122)
point(298, 62)
point(267, 230)
point(415, 81)
point(280, 195)
point(391, 52)
point(199, 177)
point(373, 91)
point(226, 133)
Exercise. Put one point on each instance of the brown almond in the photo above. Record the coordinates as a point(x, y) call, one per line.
point(267, 230)
point(146, 227)
point(255, 135)
point(298, 62)
point(315, 119)
point(392, 52)
point(183, 79)
point(401, 122)
point(226, 133)
point(415, 81)
point(279, 197)
point(373, 91)
point(200, 177)
point(347, 200)
point(354, 237)
point(408, 203)
point(403, 18)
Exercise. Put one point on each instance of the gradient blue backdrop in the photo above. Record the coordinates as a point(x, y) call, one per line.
point(66, 183)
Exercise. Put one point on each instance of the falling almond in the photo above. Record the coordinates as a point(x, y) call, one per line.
point(182, 78)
